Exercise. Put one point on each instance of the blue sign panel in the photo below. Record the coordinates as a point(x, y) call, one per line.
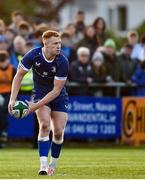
point(23, 128)
point(91, 117)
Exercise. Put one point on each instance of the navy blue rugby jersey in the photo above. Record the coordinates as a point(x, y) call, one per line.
point(44, 71)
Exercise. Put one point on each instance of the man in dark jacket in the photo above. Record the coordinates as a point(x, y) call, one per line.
point(127, 64)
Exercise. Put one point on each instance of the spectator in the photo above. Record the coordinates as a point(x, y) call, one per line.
point(3, 43)
point(53, 25)
point(29, 45)
point(24, 29)
point(19, 50)
point(142, 51)
point(100, 28)
point(2, 27)
point(16, 17)
point(81, 71)
point(139, 79)
point(127, 64)
point(99, 69)
point(10, 35)
point(133, 38)
point(88, 40)
point(111, 61)
point(7, 73)
point(71, 30)
point(37, 39)
point(69, 52)
point(80, 24)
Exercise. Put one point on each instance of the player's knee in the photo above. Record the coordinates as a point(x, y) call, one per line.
point(58, 136)
point(44, 127)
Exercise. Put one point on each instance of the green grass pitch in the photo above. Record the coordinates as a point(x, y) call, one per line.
point(85, 163)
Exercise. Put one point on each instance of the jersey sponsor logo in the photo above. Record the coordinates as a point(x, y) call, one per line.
point(43, 74)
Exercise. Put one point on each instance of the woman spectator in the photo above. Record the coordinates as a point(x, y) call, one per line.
point(100, 27)
point(88, 40)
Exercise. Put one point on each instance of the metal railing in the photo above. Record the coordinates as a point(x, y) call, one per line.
point(116, 85)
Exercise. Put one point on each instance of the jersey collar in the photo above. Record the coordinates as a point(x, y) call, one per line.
point(49, 61)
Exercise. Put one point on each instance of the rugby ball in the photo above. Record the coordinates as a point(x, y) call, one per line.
point(20, 109)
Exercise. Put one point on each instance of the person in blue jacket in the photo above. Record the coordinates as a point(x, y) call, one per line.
point(139, 79)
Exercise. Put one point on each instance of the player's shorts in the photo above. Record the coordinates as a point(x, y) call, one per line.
point(60, 103)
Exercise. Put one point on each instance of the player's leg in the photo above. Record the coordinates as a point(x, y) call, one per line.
point(59, 120)
point(43, 116)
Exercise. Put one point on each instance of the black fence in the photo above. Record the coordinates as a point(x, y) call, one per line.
point(113, 89)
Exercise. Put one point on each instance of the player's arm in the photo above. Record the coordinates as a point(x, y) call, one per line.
point(16, 84)
point(58, 85)
point(24, 66)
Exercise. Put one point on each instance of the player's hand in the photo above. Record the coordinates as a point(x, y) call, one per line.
point(32, 107)
point(10, 106)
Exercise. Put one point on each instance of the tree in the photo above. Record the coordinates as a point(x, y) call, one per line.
point(48, 10)
point(39, 10)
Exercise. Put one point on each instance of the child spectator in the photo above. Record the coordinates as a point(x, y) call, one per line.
point(99, 69)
